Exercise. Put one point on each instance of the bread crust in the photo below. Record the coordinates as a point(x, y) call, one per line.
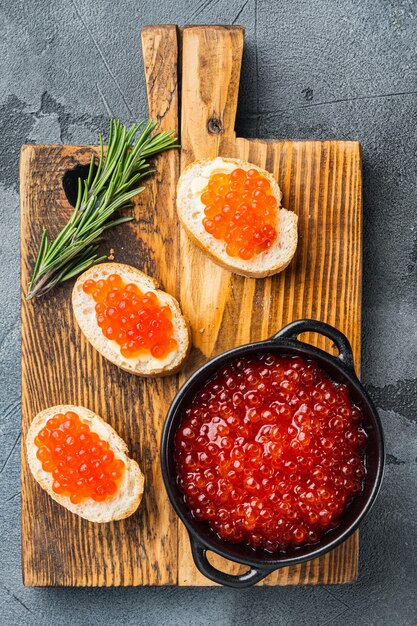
point(208, 249)
point(108, 349)
point(248, 274)
point(111, 509)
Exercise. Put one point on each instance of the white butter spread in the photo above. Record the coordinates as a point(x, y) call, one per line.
point(217, 166)
point(198, 185)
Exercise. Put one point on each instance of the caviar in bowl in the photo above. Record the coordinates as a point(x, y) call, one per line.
point(272, 453)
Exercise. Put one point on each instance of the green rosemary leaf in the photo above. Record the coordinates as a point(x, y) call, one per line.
point(87, 214)
point(122, 199)
point(65, 234)
point(82, 267)
point(90, 173)
point(120, 220)
point(100, 161)
point(82, 263)
point(43, 247)
point(71, 251)
point(108, 188)
point(79, 198)
point(134, 179)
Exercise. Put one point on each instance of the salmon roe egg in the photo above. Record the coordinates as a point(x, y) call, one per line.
point(241, 210)
point(136, 321)
point(270, 452)
point(81, 463)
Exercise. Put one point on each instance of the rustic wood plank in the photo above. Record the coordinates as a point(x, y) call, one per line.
point(321, 182)
point(59, 366)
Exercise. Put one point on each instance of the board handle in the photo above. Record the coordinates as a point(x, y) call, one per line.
point(160, 63)
point(158, 226)
point(211, 62)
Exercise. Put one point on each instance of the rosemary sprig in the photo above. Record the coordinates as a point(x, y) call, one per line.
point(110, 189)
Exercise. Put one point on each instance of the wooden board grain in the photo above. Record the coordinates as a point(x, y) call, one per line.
point(321, 181)
point(59, 366)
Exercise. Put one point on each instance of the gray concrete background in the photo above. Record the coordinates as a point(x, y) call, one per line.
point(342, 69)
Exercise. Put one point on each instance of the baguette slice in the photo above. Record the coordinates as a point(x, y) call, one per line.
point(85, 314)
point(129, 494)
point(191, 213)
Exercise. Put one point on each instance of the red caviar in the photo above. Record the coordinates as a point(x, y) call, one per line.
point(135, 320)
point(82, 465)
point(241, 210)
point(270, 452)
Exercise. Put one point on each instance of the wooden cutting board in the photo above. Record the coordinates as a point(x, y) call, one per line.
point(320, 181)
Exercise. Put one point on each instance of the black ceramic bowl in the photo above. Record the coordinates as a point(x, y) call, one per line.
point(261, 563)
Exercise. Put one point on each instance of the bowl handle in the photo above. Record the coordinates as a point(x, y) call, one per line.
point(249, 578)
point(302, 326)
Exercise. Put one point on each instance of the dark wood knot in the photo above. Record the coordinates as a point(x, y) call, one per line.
point(214, 126)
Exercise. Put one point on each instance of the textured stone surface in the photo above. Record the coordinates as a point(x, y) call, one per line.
point(317, 69)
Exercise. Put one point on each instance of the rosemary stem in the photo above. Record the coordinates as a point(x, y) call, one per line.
point(104, 193)
point(41, 282)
